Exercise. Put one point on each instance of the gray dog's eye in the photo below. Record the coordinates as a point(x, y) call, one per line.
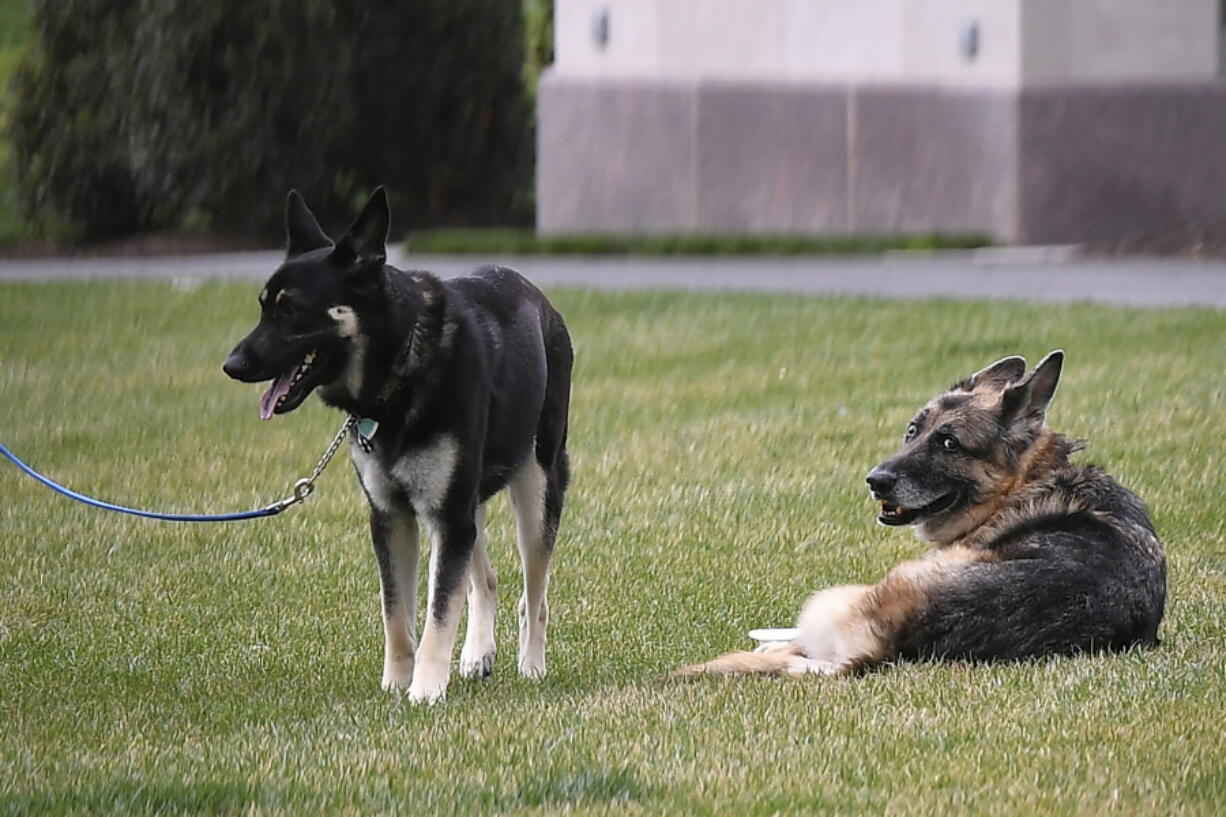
point(912, 430)
point(949, 443)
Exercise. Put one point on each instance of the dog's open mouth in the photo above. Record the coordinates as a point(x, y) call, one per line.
point(286, 391)
point(896, 515)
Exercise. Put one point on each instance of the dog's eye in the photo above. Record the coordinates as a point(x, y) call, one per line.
point(912, 430)
point(287, 308)
point(949, 443)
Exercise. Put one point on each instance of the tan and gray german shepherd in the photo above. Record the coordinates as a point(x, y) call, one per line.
point(1032, 555)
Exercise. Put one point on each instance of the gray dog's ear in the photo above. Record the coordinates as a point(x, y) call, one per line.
point(997, 376)
point(1025, 402)
point(366, 242)
point(302, 231)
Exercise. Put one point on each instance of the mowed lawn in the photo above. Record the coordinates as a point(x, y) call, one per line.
point(719, 446)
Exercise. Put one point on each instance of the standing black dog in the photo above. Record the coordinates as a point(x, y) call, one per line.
point(463, 387)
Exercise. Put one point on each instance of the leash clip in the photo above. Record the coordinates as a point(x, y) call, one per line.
point(303, 488)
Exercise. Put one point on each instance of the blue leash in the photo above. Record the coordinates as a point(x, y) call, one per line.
point(302, 489)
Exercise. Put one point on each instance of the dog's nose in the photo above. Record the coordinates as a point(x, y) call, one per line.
point(881, 481)
point(236, 365)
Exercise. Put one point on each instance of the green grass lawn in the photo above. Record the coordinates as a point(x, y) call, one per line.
point(719, 446)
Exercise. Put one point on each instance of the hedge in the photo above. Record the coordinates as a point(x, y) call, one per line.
point(133, 115)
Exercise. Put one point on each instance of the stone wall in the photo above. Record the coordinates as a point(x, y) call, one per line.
point(1030, 120)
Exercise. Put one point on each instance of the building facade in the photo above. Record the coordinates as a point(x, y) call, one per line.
point(1034, 121)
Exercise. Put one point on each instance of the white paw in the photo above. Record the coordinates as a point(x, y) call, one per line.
point(397, 676)
point(476, 663)
point(532, 642)
point(532, 665)
point(770, 646)
point(428, 687)
point(427, 694)
point(807, 666)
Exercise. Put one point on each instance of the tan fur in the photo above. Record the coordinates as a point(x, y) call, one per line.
point(1022, 495)
point(904, 590)
point(836, 628)
point(999, 473)
point(844, 629)
point(1009, 501)
point(786, 660)
point(836, 636)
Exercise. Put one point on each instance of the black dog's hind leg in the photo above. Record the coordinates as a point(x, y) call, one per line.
point(477, 655)
point(536, 491)
point(527, 491)
point(452, 541)
point(396, 548)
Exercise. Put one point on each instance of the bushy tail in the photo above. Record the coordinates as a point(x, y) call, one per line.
point(785, 660)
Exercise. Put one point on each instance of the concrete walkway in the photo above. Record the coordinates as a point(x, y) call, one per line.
point(1032, 274)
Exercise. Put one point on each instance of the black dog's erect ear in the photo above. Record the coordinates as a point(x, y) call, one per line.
point(997, 376)
point(366, 241)
point(303, 232)
point(1026, 402)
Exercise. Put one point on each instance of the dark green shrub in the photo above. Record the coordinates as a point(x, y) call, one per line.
point(441, 111)
point(236, 102)
point(538, 41)
point(70, 160)
point(142, 114)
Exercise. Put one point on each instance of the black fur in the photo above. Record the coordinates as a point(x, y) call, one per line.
point(1060, 583)
point(481, 363)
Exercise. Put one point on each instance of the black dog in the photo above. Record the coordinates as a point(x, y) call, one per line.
point(463, 387)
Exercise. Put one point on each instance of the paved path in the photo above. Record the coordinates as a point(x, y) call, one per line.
point(1035, 274)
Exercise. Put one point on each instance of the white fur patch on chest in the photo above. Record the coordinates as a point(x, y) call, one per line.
point(374, 479)
point(425, 473)
point(421, 474)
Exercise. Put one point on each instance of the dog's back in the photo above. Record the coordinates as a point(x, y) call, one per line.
point(520, 321)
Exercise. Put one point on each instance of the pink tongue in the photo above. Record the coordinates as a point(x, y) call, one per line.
point(276, 391)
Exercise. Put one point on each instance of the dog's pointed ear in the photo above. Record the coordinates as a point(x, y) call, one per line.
point(997, 376)
point(1025, 402)
point(366, 242)
point(302, 231)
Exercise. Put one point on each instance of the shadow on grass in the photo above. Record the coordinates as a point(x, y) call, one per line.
point(141, 797)
point(584, 785)
point(587, 785)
